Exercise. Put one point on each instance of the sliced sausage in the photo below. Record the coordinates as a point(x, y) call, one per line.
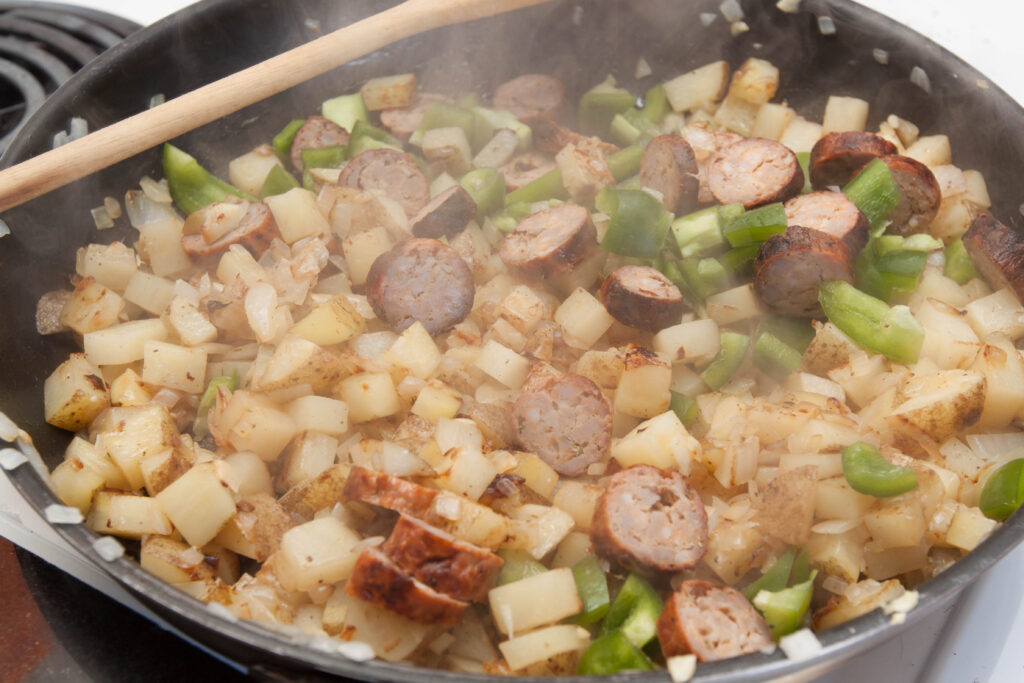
point(403, 121)
point(436, 558)
point(549, 137)
point(379, 581)
point(650, 520)
point(832, 213)
point(755, 171)
point(549, 242)
point(712, 622)
point(316, 133)
point(420, 280)
point(445, 215)
point(837, 156)
point(392, 172)
point(641, 296)
point(920, 194)
point(388, 491)
point(790, 267)
point(531, 97)
point(670, 167)
point(706, 143)
point(566, 421)
point(525, 168)
point(997, 252)
point(255, 231)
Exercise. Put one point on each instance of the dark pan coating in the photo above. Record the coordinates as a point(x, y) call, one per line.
point(997, 251)
point(388, 491)
point(445, 215)
point(525, 168)
point(837, 156)
point(832, 213)
point(670, 167)
point(566, 421)
point(379, 581)
point(436, 558)
point(641, 296)
point(255, 232)
point(651, 521)
point(755, 171)
point(403, 121)
point(790, 267)
point(712, 622)
point(531, 97)
point(921, 195)
point(317, 132)
point(420, 280)
point(549, 242)
point(550, 138)
point(392, 172)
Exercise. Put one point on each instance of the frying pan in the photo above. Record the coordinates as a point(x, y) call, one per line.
point(580, 42)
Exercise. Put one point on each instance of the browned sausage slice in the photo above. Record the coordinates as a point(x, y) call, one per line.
point(706, 143)
point(379, 581)
point(420, 280)
point(650, 520)
point(549, 242)
point(921, 194)
point(392, 172)
point(712, 622)
point(754, 171)
point(531, 97)
point(458, 569)
point(255, 232)
point(837, 156)
point(388, 491)
point(316, 132)
point(832, 213)
point(641, 296)
point(403, 121)
point(670, 167)
point(997, 252)
point(525, 168)
point(550, 138)
point(566, 421)
point(445, 215)
point(790, 267)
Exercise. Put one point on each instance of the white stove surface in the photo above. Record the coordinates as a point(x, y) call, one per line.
point(975, 640)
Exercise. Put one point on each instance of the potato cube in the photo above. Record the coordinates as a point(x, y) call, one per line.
point(538, 529)
point(259, 426)
point(198, 503)
point(75, 484)
point(437, 400)
point(189, 323)
point(523, 308)
point(247, 474)
point(536, 474)
point(448, 147)
point(583, 319)
point(997, 312)
point(573, 548)
point(416, 351)
point(468, 520)
point(173, 561)
point(307, 456)
point(332, 322)
point(91, 307)
point(319, 413)
point(319, 493)
point(643, 389)
point(801, 134)
point(149, 292)
point(94, 457)
point(299, 361)
point(111, 265)
point(734, 305)
point(297, 215)
point(503, 364)
point(969, 528)
point(579, 500)
point(315, 554)
point(362, 249)
point(128, 516)
point(840, 555)
point(1003, 367)
point(737, 115)
point(389, 92)
point(160, 241)
point(696, 342)
point(543, 645)
point(896, 523)
point(470, 474)
point(174, 367)
point(74, 394)
point(256, 529)
point(370, 395)
point(537, 600)
point(585, 171)
point(661, 441)
point(699, 87)
point(834, 499)
point(931, 150)
point(239, 264)
point(249, 171)
point(124, 343)
point(844, 114)
point(941, 404)
point(160, 469)
point(771, 121)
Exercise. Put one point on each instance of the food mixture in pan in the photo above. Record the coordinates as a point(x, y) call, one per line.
point(518, 384)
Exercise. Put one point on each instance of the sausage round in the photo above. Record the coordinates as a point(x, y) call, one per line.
point(388, 491)
point(920, 194)
point(378, 580)
point(445, 215)
point(255, 232)
point(392, 172)
point(531, 97)
point(832, 213)
point(650, 520)
point(997, 252)
point(790, 267)
point(549, 242)
point(566, 421)
point(712, 622)
point(403, 121)
point(837, 156)
point(316, 132)
point(436, 558)
point(525, 168)
point(420, 280)
point(706, 144)
point(754, 171)
point(550, 138)
point(641, 296)
point(670, 167)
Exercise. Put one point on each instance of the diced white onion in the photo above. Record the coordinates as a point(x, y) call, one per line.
point(108, 547)
point(312, 24)
point(992, 446)
point(826, 26)
point(158, 192)
point(101, 217)
point(731, 10)
point(738, 27)
point(835, 526)
point(62, 514)
point(142, 210)
point(881, 56)
point(12, 458)
point(681, 668)
point(919, 77)
point(707, 18)
point(221, 611)
point(112, 206)
point(168, 398)
point(5, 229)
point(577, 15)
point(356, 651)
point(8, 430)
point(903, 603)
point(835, 585)
point(800, 645)
point(790, 6)
point(156, 100)
point(643, 69)
point(79, 129)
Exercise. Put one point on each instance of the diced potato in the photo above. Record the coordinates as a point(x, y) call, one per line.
point(160, 241)
point(448, 147)
point(362, 249)
point(1003, 368)
point(308, 498)
point(843, 608)
point(579, 500)
point(523, 308)
point(977, 190)
point(256, 425)
point(189, 323)
point(772, 119)
point(198, 503)
point(952, 220)
point(969, 528)
point(460, 433)
point(643, 389)
point(308, 455)
point(75, 484)
point(111, 265)
point(931, 150)
point(391, 636)
point(369, 395)
point(239, 264)
point(389, 92)
point(316, 553)
point(469, 475)
point(498, 151)
point(801, 134)
point(437, 400)
point(503, 364)
point(173, 561)
point(319, 413)
point(861, 377)
point(807, 383)
point(246, 474)
point(537, 600)
point(249, 171)
point(840, 555)
point(94, 457)
point(127, 516)
point(468, 520)
point(734, 305)
point(886, 564)
point(299, 361)
point(844, 114)
point(74, 394)
point(543, 644)
point(585, 170)
point(134, 433)
point(161, 469)
point(124, 343)
point(942, 404)
point(661, 441)
point(829, 349)
point(536, 474)
point(573, 548)
point(696, 342)
point(297, 215)
point(538, 529)
point(603, 368)
point(737, 115)
point(149, 292)
point(330, 323)
point(897, 523)
point(834, 499)
point(999, 312)
point(949, 340)
point(699, 87)
point(91, 307)
point(755, 81)
point(734, 548)
point(174, 367)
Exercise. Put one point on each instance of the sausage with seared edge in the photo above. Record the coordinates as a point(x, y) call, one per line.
point(531, 97)
point(670, 167)
point(920, 195)
point(790, 267)
point(832, 213)
point(255, 231)
point(403, 121)
point(997, 251)
point(445, 215)
point(392, 172)
point(549, 242)
point(641, 296)
point(316, 133)
point(754, 171)
point(837, 156)
point(525, 168)
point(388, 491)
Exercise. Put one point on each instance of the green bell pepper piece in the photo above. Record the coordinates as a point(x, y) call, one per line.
point(600, 104)
point(656, 104)
point(486, 122)
point(775, 357)
point(625, 162)
point(753, 227)
point(784, 609)
point(278, 181)
point(635, 612)
point(324, 157)
point(345, 110)
point(487, 188)
point(804, 159)
point(795, 332)
point(282, 142)
point(638, 223)
point(191, 185)
point(867, 471)
point(874, 192)
point(727, 362)
point(612, 653)
point(548, 186)
point(705, 276)
point(592, 585)
point(443, 115)
point(519, 564)
point(1004, 491)
point(684, 407)
point(958, 266)
point(871, 323)
point(698, 233)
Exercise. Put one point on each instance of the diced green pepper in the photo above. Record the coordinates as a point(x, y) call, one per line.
point(755, 226)
point(600, 104)
point(635, 612)
point(201, 424)
point(622, 131)
point(656, 104)
point(486, 122)
point(804, 159)
point(874, 192)
point(443, 115)
point(278, 181)
point(638, 223)
point(867, 471)
point(519, 564)
point(672, 271)
point(958, 267)
point(592, 585)
point(625, 162)
point(728, 361)
point(775, 579)
point(324, 157)
point(1004, 491)
point(871, 323)
point(548, 186)
point(345, 110)
point(282, 142)
point(796, 332)
point(740, 261)
point(728, 212)
point(684, 407)
point(705, 276)
point(775, 357)
point(191, 185)
point(784, 609)
point(612, 653)
point(363, 131)
point(698, 233)
point(487, 188)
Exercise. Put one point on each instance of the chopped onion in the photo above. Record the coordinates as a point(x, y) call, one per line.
point(112, 206)
point(990, 447)
point(448, 507)
point(835, 526)
point(221, 611)
point(643, 69)
point(826, 26)
point(731, 10)
point(577, 15)
point(8, 430)
point(156, 100)
point(681, 667)
point(833, 584)
point(354, 650)
point(312, 24)
point(738, 27)
point(12, 458)
point(158, 192)
point(186, 290)
point(142, 210)
point(707, 18)
point(5, 229)
point(441, 643)
point(168, 398)
point(903, 603)
point(79, 129)
point(881, 56)
point(800, 645)
point(62, 514)
point(919, 77)
point(790, 6)
point(101, 217)
point(108, 547)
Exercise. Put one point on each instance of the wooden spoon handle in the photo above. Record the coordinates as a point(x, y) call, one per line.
point(152, 127)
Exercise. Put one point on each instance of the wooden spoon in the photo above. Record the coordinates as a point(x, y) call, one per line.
point(135, 134)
